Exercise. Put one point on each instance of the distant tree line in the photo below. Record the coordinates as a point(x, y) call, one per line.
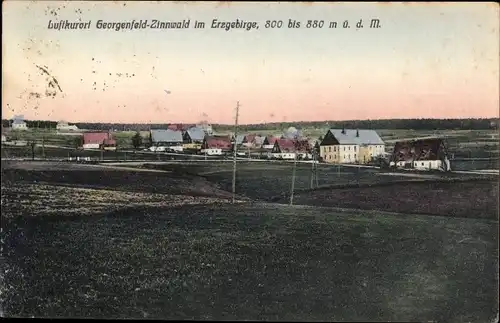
point(413, 124)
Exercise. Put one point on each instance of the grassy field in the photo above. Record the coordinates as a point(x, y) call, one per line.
point(254, 262)
point(272, 182)
point(99, 242)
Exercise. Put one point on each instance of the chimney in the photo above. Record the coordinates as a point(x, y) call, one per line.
point(357, 133)
point(343, 130)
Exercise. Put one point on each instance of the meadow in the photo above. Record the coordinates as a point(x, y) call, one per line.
point(164, 242)
point(251, 262)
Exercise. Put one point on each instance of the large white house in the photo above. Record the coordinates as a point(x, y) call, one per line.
point(344, 146)
point(18, 123)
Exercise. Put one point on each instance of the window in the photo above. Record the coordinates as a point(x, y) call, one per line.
point(422, 164)
point(354, 156)
point(344, 149)
point(354, 148)
point(335, 148)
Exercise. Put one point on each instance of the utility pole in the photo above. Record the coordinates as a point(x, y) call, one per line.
point(293, 178)
point(234, 148)
point(314, 171)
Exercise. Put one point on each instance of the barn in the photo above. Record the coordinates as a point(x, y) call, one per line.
point(423, 154)
point(98, 140)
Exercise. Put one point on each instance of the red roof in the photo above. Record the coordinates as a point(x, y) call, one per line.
point(285, 145)
point(249, 138)
point(290, 146)
point(270, 140)
point(96, 137)
point(221, 142)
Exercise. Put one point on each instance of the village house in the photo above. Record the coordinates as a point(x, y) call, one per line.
point(351, 146)
point(207, 128)
point(239, 140)
point(98, 140)
point(269, 141)
point(166, 139)
point(291, 149)
point(424, 154)
point(18, 123)
point(216, 145)
point(64, 126)
point(193, 138)
point(252, 141)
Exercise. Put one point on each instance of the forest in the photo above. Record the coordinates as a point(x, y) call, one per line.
point(413, 124)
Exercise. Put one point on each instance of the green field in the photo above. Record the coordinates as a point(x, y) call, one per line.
point(254, 263)
point(92, 241)
point(268, 180)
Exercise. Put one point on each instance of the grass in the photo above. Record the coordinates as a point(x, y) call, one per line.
point(252, 263)
point(85, 241)
point(476, 198)
point(271, 181)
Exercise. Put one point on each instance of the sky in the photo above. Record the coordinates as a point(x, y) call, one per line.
point(427, 60)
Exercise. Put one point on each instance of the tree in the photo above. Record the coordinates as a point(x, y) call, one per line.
point(137, 140)
point(78, 142)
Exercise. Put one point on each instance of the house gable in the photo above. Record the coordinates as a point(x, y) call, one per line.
point(329, 140)
point(276, 148)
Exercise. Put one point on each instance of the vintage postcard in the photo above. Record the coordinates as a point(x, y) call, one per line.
point(267, 161)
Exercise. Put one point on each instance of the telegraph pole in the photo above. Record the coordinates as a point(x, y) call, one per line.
point(314, 169)
point(235, 148)
point(293, 178)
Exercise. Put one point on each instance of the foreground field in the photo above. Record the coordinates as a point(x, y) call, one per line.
point(86, 241)
point(252, 263)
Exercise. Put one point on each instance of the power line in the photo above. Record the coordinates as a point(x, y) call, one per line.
point(235, 148)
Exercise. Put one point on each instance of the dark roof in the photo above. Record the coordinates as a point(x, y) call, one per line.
point(239, 139)
point(423, 149)
point(356, 137)
point(162, 135)
point(196, 133)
